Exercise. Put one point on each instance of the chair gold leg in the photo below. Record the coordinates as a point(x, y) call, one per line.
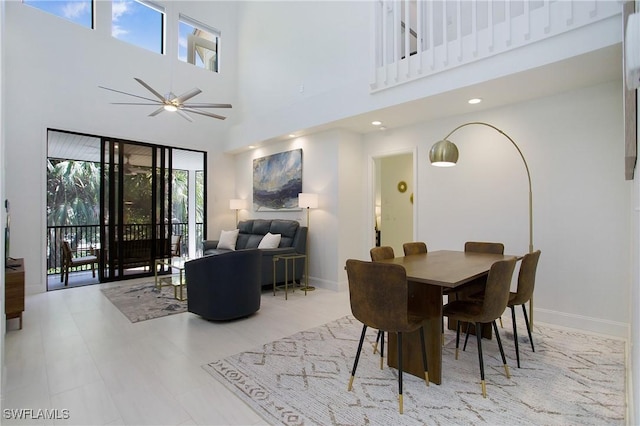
point(350, 383)
point(501, 326)
point(400, 403)
point(456, 353)
point(484, 388)
point(506, 369)
point(426, 377)
point(375, 347)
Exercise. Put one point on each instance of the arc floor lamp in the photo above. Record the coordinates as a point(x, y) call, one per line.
point(444, 153)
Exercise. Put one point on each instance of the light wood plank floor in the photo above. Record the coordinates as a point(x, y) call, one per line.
point(78, 352)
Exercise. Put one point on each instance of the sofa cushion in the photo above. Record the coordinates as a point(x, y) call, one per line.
point(286, 228)
point(270, 241)
point(228, 240)
point(261, 226)
point(253, 241)
point(246, 226)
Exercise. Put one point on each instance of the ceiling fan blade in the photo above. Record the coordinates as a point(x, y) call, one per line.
point(187, 95)
point(128, 94)
point(184, 115)
point(137, 103)
point(207, 105)
point(151, 89)
point(156, 112)
point(208, 114)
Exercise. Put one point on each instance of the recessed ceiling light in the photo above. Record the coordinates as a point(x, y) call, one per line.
point(376, 123)
point(383, 128)
point(291, 135)
point(251, 146)
point(474, 101)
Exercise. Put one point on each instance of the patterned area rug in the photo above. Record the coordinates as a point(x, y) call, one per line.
point(144, 301)
point(571, 379)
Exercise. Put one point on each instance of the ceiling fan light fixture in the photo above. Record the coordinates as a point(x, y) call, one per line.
point(171, 102)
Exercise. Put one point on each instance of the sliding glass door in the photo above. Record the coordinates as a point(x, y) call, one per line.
point(149, 203)
point(135, 206)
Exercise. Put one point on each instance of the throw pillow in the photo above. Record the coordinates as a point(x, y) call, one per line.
point(270, 241)
point(228, 239)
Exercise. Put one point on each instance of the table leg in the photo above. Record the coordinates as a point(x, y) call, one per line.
point(275, 259)
point(427, 300)
point(286, 279)
point(181, 283)
point(155, 271)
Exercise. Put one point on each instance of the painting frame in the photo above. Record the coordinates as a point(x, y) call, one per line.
point(277, 181)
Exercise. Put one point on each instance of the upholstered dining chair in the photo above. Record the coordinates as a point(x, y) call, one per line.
point(484, 247)
point(477, 285)
point(485, 311)
point(381, 253)
point(69, 261)
point(524, 292)
point(379, 297)
point(416, 247)
point(377, 254)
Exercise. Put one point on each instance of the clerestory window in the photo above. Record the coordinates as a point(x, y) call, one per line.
point(198, 44)
point(78, 11)
point(139, 22)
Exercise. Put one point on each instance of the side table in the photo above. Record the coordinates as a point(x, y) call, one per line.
point(175, 264)
point(286, 258)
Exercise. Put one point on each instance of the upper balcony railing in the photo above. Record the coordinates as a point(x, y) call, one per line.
point(415, 38)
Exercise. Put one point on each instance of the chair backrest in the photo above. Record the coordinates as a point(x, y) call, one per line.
point(496, 294)
point(66, 252)
point(416, 247)
point(526, 278)
point(175, 245)
point(379, 294)
point(381, 253)
point(484, 247)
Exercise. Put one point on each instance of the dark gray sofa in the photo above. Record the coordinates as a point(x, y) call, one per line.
point(224, 287)
point(294, 240)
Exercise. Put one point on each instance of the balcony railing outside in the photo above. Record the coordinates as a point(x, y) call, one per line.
point(412, 39)
point(84, 238)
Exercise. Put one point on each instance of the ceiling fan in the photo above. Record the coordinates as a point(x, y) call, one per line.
point(171, 102)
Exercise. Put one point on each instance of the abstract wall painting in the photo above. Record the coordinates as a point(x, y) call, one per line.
point(277, 181)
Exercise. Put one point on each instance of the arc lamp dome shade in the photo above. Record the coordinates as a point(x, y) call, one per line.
point(443, 154)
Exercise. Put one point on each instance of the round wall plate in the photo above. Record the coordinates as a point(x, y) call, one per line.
point(402, 186)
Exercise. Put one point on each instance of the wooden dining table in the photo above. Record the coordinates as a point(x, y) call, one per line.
point(428, 274)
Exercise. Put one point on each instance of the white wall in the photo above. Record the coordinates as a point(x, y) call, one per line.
point(573, 143)
point(332, 168)
point(56, 67)
point(326, 47)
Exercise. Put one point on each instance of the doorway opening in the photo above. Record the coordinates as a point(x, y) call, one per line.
point(393, 200)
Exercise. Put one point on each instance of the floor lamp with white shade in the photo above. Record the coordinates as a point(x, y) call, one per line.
point(237, 204)
point(308, 201)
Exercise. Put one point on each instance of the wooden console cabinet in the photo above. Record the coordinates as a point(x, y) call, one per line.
point(14, 290)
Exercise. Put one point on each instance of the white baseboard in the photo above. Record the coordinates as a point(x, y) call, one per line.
point(581, 322)
point(329, 285)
